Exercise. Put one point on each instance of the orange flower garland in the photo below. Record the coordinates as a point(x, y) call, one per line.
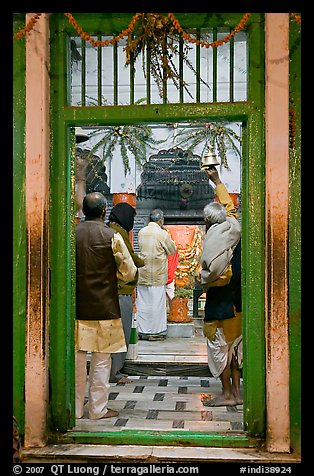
point(297, 18)
point(113, 40)
point(20, 34)
point(206, 44)
point(188, 239)
point(30, 25)
point(175, 23)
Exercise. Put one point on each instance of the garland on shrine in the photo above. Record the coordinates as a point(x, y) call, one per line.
point(28, 28)
point(156, 38)
point(189, 259)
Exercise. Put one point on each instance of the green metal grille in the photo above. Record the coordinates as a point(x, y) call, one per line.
point(99, 77)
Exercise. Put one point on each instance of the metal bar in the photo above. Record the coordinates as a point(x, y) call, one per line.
point(148, 88)
point(132, 73)
point(181, 44)
point(164, 81)
point(149, 437)
point(198, 67)
point(115, 74)
point(231, 72)
point(61, 362)
point(162, 112)
point(295, 232)
point(215, 67)
point(99, 69)
point(19, 228)
point(83, 76)
point(253, 236)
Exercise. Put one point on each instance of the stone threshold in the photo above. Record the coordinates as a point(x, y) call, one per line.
point(88, 453)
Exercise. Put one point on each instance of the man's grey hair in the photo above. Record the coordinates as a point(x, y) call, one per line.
point(93, 204)
point(214, 212)
point(156, 215)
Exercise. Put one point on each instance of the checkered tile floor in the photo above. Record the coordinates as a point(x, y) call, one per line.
point(165, 404)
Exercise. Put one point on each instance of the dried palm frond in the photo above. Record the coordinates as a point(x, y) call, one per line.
point(214, 134)
point(156, 35)
point(130, 139)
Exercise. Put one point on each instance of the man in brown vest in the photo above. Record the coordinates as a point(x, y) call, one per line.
point(101, 259)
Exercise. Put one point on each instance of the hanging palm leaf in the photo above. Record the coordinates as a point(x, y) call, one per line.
point(130, 139)
point(213, 134)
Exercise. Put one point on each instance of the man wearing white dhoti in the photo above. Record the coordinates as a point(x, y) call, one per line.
point(155, 245)
point(221, 277)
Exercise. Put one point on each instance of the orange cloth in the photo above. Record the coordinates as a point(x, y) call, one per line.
point(188, 241)
point(172, 265)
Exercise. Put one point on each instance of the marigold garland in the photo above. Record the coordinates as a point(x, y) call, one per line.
point(175, 22)
point(297, 18)
point(189, 258)
point(98, 43)
point(207, 44)
point(30, 25)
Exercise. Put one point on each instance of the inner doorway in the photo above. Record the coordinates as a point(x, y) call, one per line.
point(170, 179)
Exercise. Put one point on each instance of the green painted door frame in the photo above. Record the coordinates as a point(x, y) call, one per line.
point(19, 229)
point(295, 236)
point(64, 117)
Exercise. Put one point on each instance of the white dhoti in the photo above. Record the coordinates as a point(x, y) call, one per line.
point(219, 352)
point(151, 310)
point(227, 342)
point(170, 290)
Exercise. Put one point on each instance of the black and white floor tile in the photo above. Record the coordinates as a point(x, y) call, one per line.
point(165, 404)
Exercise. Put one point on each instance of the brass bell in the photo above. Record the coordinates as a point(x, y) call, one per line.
point(209, 159)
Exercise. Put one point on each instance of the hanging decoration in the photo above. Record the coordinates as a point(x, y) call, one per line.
point(28, 28)
point(156, 36)
point(159, 36)
point(213, 135)
point(130, 139)
point(296, 17)
point(139, 141)
point(30, 25)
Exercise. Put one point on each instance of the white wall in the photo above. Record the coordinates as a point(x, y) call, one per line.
point(119, 183)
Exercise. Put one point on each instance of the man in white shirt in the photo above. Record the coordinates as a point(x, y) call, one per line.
point(155, 245)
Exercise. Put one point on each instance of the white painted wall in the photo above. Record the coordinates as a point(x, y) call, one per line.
point(119, 183)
